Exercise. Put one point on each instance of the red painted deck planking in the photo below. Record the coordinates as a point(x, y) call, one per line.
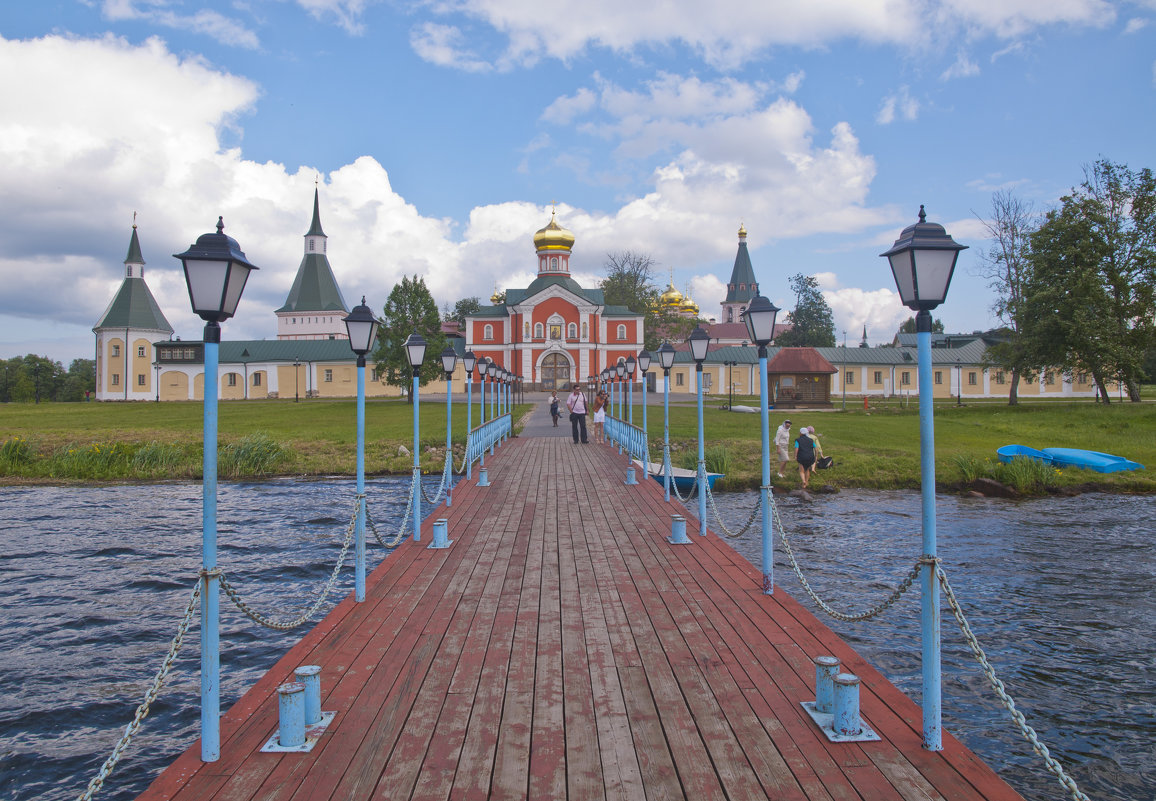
point(561, 648)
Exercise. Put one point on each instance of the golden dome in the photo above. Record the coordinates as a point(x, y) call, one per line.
point(671, 297)
point(742, 231)
point(498, 298)
point(553, 236)
point(688, 306)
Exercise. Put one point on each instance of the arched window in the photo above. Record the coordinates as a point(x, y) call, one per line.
point(621, 332)
point(488, 332)
point(539, 331)
point(572, 331)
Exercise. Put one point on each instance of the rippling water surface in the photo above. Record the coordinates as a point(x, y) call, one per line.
point(1060, 592)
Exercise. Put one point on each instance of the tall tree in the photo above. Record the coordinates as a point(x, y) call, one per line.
point(1007, 265)
point(1093, 289)
point(409, 309)
point(812, 322)
point(629, 282)
point(464, 307)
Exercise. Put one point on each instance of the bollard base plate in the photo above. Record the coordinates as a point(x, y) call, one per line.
point(684, 541)
point(824, 720)
point(434, 546)
point(312, 735)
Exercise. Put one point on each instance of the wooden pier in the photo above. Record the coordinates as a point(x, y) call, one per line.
point(563, 649)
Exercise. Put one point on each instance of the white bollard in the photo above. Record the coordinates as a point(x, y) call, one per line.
point(846, 720)
point(310, 676)
point(483, 478)
point(826, 668)
point(291, 714)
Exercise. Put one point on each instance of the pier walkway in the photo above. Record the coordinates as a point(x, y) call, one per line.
point(563, 649)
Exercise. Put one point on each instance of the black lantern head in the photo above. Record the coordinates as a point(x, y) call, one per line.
point(699, 340)
point(666, 355)
point(644, 360)
point(415, 350)
point(631, 363)
point(215, 271)
point(449, 360)
point(470, 360)
point(361, 326)
point(922, 261)
point(760, 320)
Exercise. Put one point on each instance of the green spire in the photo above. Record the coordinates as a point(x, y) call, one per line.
point(134, 255)
point(315, 228)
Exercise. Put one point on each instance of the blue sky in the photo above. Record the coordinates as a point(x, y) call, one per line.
point(440, 133)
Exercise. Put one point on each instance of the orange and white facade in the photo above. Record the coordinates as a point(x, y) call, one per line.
point(553, 332)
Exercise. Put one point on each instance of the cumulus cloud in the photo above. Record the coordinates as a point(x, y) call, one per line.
point(226, 30)
point(963, 67)
point(1135, 25)
point(444, 45)
point(347, 13)
point(879, 310)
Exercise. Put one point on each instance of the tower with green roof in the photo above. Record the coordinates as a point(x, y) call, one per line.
point(125, 335)
point(315, 307)
point(742, 286)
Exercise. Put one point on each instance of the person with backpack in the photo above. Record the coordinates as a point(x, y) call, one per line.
point(805, 455)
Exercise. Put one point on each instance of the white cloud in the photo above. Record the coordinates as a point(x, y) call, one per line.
point(225, 30)
point(735, 31)
point(963, 67)
point(1135, 25)
point(348, 13)
point(899, 103)
point(443, 45)
point(708, 291)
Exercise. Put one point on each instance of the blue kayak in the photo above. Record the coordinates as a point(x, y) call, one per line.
point(1069, 457)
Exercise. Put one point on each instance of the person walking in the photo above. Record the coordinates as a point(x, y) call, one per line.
point(805, 455)
point(782, 443)
point(576, 403)
point(554, 404)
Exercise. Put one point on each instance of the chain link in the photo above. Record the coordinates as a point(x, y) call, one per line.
point(1026, 730)
point(143, 710)
point(718, 518)
point(849, 618)
point(668, 470)
point(403, 528)
point(285, 625)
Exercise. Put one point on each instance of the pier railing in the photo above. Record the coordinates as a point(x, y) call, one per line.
point(629, 438)
point(484, 438)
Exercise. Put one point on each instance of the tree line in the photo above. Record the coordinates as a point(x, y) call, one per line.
point(32, 379)
point(1075, 286)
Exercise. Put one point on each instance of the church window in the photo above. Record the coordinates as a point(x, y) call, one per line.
point(140, 379)
point(231, 379)
point(488, 332)
point(554, 263)
point(140, 351)
point(328, 376)
point(572, 331)
point(116, 350)
point(310, 245)
point(622, 332)
point(539, 331)
point(730, 314)
point(116, 379)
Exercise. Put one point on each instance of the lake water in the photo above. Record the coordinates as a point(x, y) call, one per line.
point(1059, 591)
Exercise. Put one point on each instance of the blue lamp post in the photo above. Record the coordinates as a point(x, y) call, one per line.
point(215, 272)
point(492, 370)
point(415, 347)
point(643, 366)
point(631, 363)
point(699, 340)
point(449, 362)
point(361, 326)
point(469, 361)
point(922, 262)
point(620, 371)
point(666, 359)
point(760, 319)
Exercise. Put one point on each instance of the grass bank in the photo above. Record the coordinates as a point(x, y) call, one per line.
point(57, 443)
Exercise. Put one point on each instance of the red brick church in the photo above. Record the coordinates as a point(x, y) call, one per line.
point(553, 332)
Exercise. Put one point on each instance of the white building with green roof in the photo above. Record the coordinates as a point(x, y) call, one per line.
point(315, 308)
point(125, 335)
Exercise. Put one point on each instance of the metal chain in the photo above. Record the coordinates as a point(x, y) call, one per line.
point(142, 711)
point(285, 625)
point(1026, 730)
point(718, 518)
point(403, 528)
point(849, 618)
point(668, 469)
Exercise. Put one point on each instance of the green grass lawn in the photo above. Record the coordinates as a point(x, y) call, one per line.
point(876, 449)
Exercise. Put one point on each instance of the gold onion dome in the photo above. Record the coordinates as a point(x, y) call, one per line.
point(671, 297)
point(498, 298)
point(553, 236)
point(690, 306)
